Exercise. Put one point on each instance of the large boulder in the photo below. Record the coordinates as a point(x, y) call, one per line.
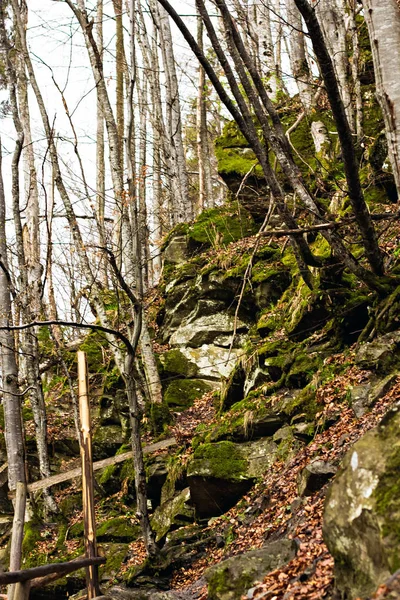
point(177, 250)
point(207, 329)
point(362, 512)
point(363, 397)
point(181, 393)
point(314, 476)
point(213, 362)
point(229, 579)
point(172, 514)
point(220, 473)
point(381, 354)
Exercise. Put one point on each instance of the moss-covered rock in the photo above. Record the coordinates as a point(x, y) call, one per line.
point(117, 529)
point(176, 363)
point(172, 514)
point(217, 477)
point(181, 393)
point(362, 512)
point(222, 225)
point(231, 578)
point(381, 354)
point(107, 440)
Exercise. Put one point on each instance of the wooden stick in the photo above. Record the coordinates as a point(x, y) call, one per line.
point(60, 568)
point(100, 464)
point(89, 519)
point(17, 536)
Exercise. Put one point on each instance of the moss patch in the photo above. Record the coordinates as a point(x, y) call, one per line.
point(182, 393)
point(175, 363)
point(222, 460)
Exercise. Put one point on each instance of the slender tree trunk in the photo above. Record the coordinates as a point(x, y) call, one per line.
point(351, 166)
point(383, 21)
point(297, 55)
point(263, 30)
point(28, 256)
point(100, 161)
point(330, 14)
point(355, 71)
point(203, 149)
point(182, 207)
point(11, 398)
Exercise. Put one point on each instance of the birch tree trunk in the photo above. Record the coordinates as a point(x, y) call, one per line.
point(100, 162)
point(28, 257)
point(265, 45)
point(11, 396)
point(330, 14)
point(297, 55)
point(203, 149)
point(183, 211)
point(383, 21)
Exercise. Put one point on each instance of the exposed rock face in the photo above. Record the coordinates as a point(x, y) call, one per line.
point(229, 579)
point(177, 251)
point(172, 514)
point(364, 397)
point(314, 477)
point(362, 512)
point(219, 474)
point(380, 354)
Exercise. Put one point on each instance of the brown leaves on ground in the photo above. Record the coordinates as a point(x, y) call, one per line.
point(202, 411)
point(309, 576)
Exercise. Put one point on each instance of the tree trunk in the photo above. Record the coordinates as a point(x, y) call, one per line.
point(297, 55)
point(351, 166)
point(183, 211)
point(203, 149)
point(383, 21)
point(11, 397)
point(100, 162)
point(263, 30)
point(330, 14)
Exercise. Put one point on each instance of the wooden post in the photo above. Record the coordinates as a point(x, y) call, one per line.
point(17, 537)
point(89, 520)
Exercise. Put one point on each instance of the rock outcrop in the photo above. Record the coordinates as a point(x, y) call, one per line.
point(362, 512)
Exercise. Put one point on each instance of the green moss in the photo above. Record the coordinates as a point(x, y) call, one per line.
point(117, 529)
point(387, 498)
point(302, 370)
point(233, 153)
point(76, 531)
point(70, 504)
point(179, 229)
point(222, 225)
point(93, 346)
point(175, 363)
point(160, 417)
point(304, 403)
point(222, 460)
point(222, 580)
point(107, 474)
point(181, 394)
point(262, 272)
point(267, 324)
point(31, 556)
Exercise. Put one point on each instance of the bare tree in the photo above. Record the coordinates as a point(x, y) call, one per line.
point(383, 21)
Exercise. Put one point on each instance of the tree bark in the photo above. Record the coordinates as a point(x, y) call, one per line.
point(297, 55)
point(383, 21)
point(351, 166)
point(14, 436)
point(203, 149)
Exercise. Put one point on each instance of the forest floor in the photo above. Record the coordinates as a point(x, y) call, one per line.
point(269, 512)
point(272, 509)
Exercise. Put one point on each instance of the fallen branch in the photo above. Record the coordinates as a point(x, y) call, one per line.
point(100, 464)
point(329, 225)
point(44, 570)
